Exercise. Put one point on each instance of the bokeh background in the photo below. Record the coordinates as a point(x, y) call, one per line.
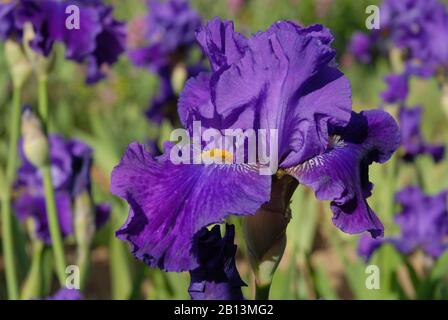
point(320, 261)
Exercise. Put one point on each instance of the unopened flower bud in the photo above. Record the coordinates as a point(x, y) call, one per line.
point(445, 98)
point(265, 232)
point(396, 60)
point(19, 66)
point(35, 143)
point(84, 220)
point(178, 77)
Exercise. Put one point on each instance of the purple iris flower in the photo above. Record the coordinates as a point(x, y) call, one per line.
point(423, 221)
point(66, 294)
point(165, 43)
point(217, 277)
point(360, 47)
point(417, 27)
point(7, 27)
point(412, 139)
point(397, 88)
point(368, 245)
point(169, 33)
point(340, 174)
point(98, 42)
point(284, 79)
point(71, 161)
point(164, 104)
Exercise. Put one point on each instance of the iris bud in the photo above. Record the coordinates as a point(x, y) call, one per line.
point(84, 218)
point(178, 77)
point(18, 64)
point(35, 143)
point(445, 98)
point(265, 232)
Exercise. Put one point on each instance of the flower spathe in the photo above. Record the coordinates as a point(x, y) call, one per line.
point(217, 277)
point(70, 167)
point(284, 79)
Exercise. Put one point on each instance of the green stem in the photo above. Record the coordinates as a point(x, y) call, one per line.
point(8, 250)
point(84, 264)
point(43, 100)
point(32, 287)
point(53, 221)
point(262, 291)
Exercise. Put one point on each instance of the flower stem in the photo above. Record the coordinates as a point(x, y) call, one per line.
point(262, 291)
point(8, 250)
point(43, 100)
point(53, 221)
point(33, 283)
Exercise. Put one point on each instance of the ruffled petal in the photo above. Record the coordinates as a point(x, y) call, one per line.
point(221, 43)
point(285, 81)
point(171, 203)
point(341, 173)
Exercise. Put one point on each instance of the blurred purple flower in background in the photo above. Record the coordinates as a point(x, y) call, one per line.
point(7, 23)
point(360, 47)
point(423, 221)
point(169, 31)
point(217, 277)
point(71, 161)
point(162, 42)
point(98, 42)
point(66, 294)
point(412, 140)
point(419, 28)
point(397, 88)
point(283, 79)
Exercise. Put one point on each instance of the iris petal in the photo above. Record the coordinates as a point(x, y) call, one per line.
point(341, 173)
point(171, 203)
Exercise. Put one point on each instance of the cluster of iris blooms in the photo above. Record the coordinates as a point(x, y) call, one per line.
point(50, 191)
point(284, 78)
point(413, 35)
